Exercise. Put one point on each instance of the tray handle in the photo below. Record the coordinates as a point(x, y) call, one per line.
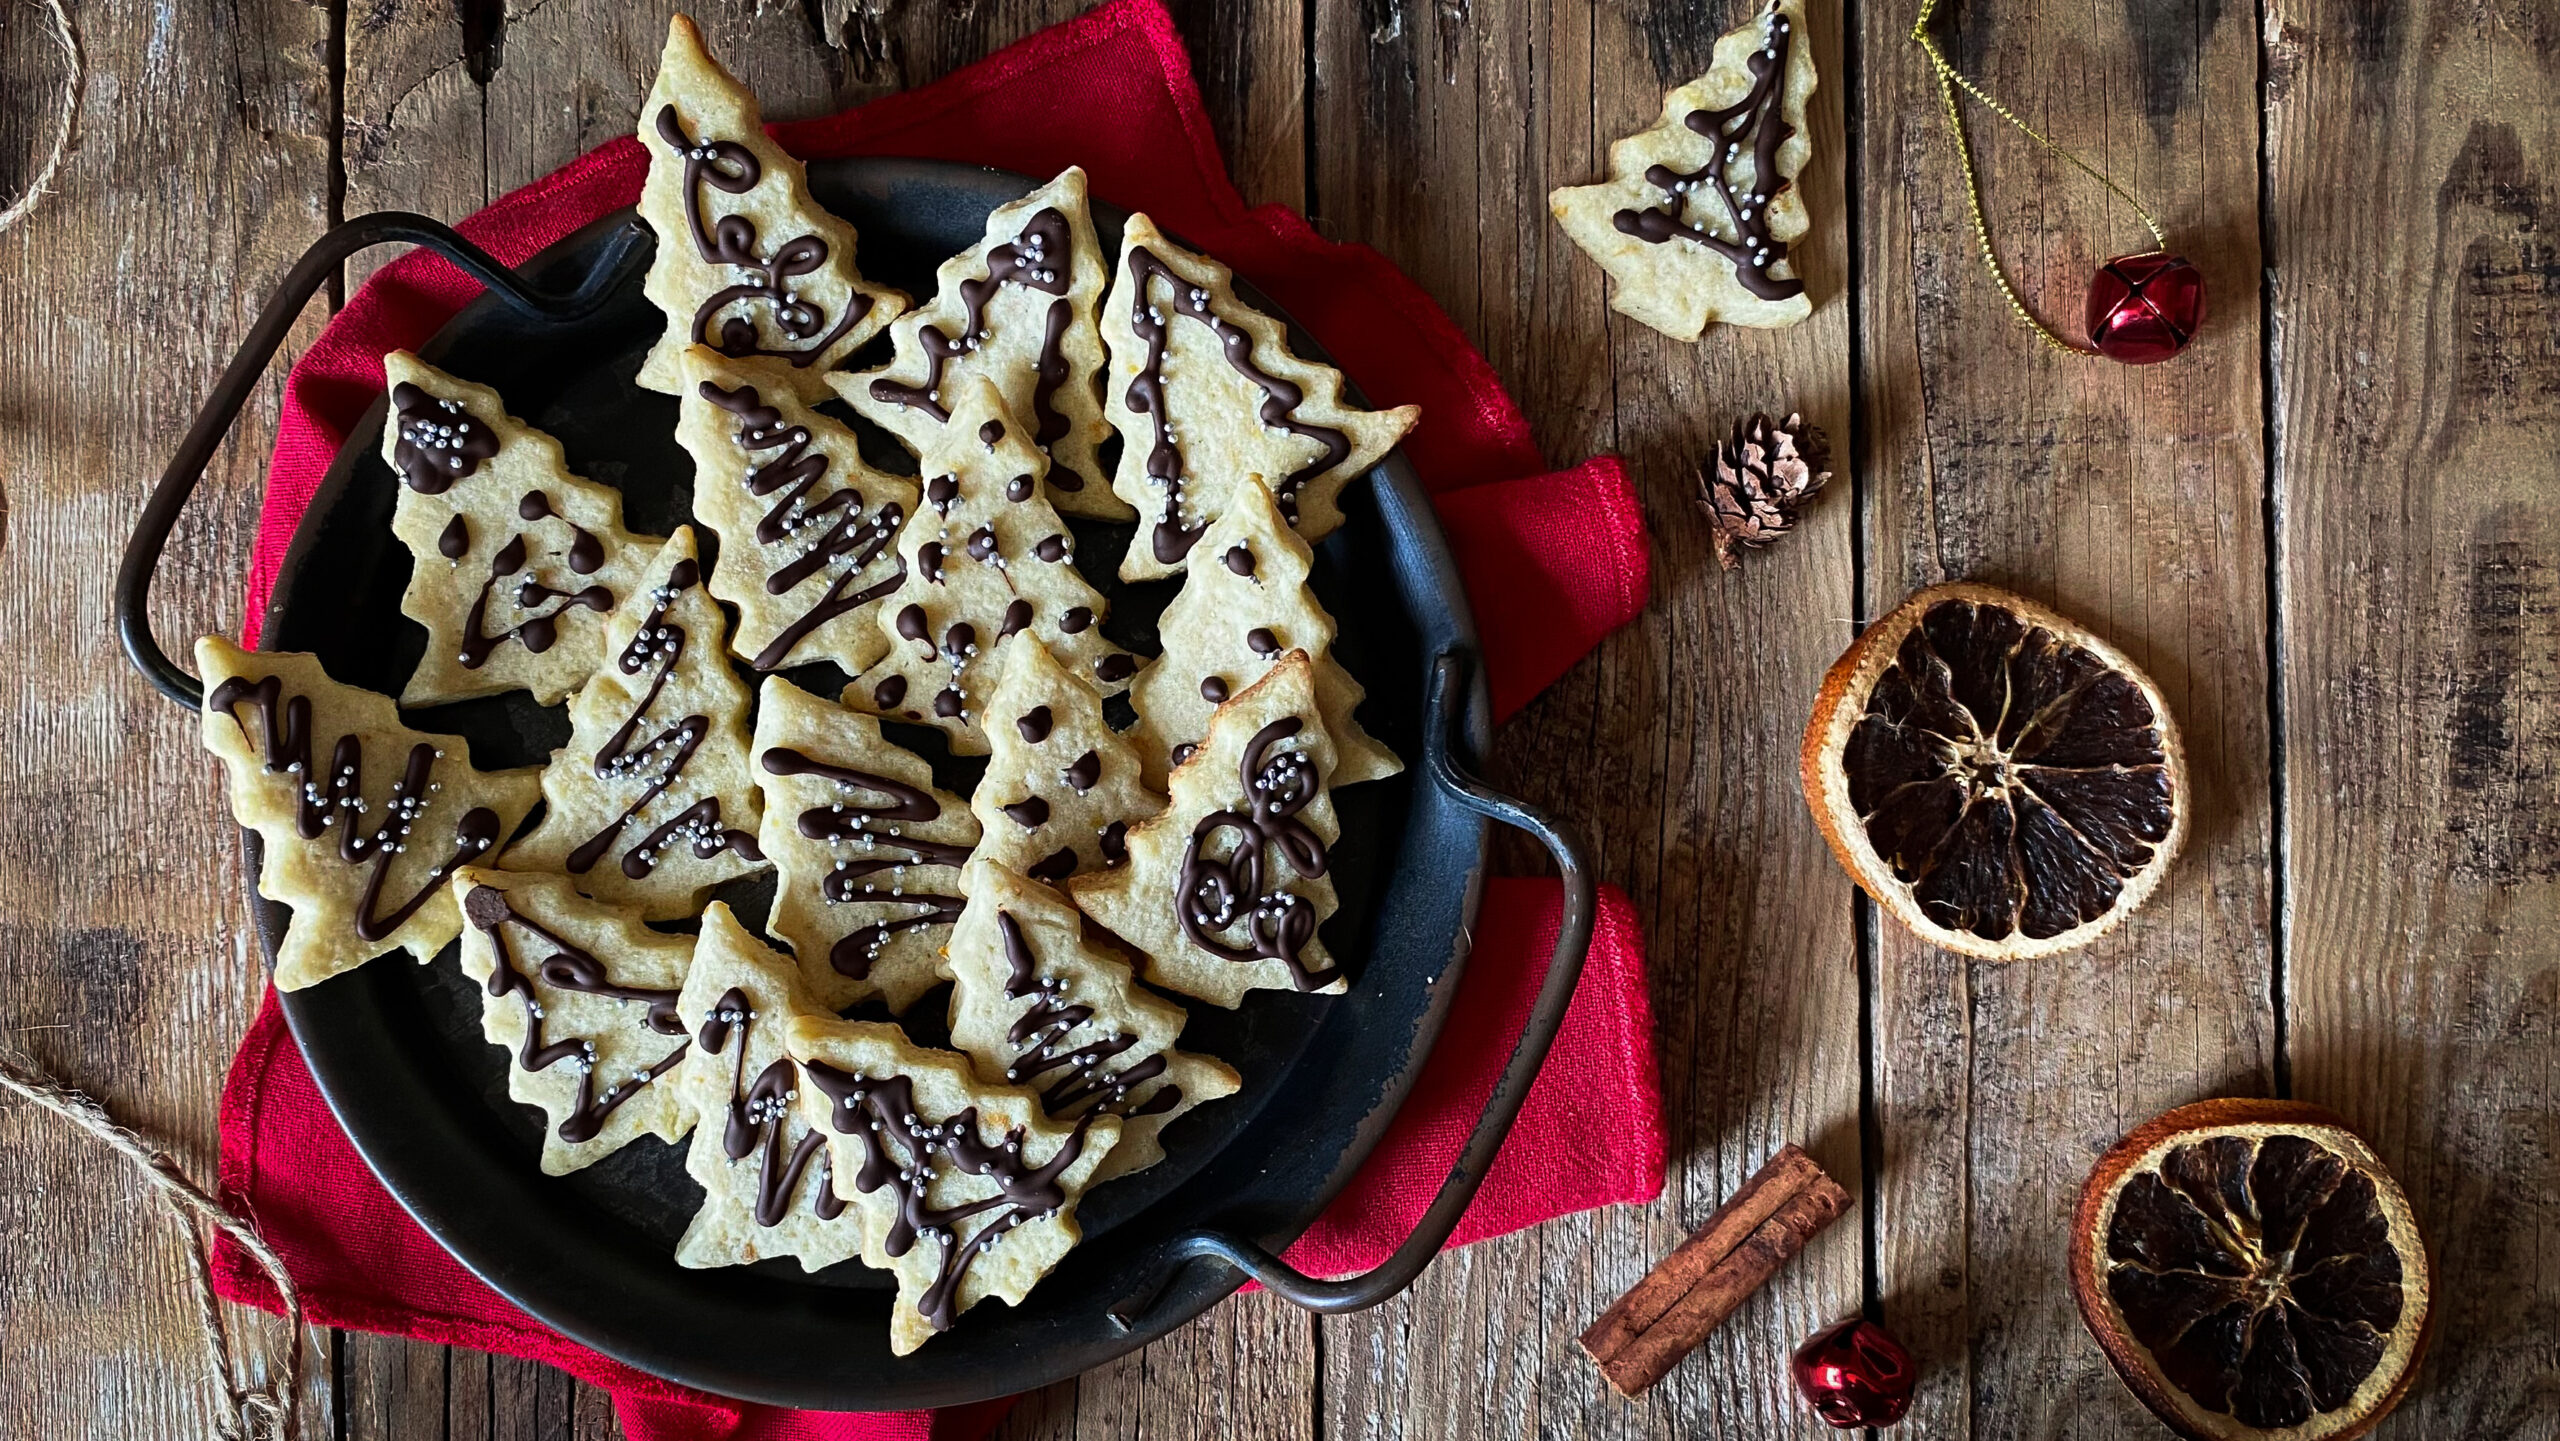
point(1573, 947)
point(231, 393)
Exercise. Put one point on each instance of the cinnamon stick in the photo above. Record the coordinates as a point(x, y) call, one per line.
point(1784, 1204)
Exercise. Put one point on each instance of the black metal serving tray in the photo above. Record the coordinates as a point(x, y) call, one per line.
point(397, 1049)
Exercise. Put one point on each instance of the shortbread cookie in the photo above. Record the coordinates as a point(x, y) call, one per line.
point(338, 831)
point(1205, 392)
point(964, 1190)
point(1019, 308)
point(516, 564)
point(651, 803)
point(583, 998)
point(805, 527)
point(1242, 607)
point(764, 1169)
point(1695, 218)
point(1033, 1005)
point(747, 262)
point(1061, 788)
point(866, 848)
point(1225, 890)
point(985, 557)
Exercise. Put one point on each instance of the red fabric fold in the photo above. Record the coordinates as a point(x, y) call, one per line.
point(1552, 563)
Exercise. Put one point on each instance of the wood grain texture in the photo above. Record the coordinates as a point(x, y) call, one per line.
point(2417, 424)
point(2132, 501)
point(126, 964)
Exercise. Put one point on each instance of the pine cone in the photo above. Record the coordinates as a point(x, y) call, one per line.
point(1764, 475)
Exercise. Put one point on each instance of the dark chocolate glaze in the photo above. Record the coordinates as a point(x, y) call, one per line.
point(1030, 813)
point(1261, 641)
point(755, 1117)
point(659, 642)
point(733, 169)
point(1055, 866)
point(849, 542)
point(439, 443)
point(570, 968)
point(1040, 1034)
point(539, 629)
point(1039, 259)
point(1075, 620)
point(319, 805)
point(1761, 116)
point(454, 541)
point(882, 850)
point(1086, 771)
point(1240, 560)
point(1213, 689)
point(1035, 724)
point(901, 1149)
point(1170, 539)
point(1210, 896)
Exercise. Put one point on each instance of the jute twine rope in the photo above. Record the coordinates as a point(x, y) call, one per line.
point(75, 74)
point(250, 1413)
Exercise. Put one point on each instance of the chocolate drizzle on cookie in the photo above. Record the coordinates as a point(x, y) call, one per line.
point(1759, 119)
point(756, 1113)
point(337, 801)
point(876, 847)
point(731, 168)
point(1212, 895)
point(1041, 1034)
point(539, 629)
point(903, 1151)
point(1171, 539)
point(570, 968)
point(845, 538)
point(439, 443)
point(659, 642)
point(1039, 258)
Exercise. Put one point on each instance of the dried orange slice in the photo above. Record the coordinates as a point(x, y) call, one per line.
point(2000, 780)
point(2252, 1271)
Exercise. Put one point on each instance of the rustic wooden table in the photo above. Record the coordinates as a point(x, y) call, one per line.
point(2330, 531)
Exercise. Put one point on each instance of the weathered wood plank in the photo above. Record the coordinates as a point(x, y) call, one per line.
point(2417, 424)
point(125, 960)
point(2131, 500)
point(1439, 130)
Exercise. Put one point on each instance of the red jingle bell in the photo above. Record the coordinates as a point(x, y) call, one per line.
point(2145, 308)
point(1855, 1374)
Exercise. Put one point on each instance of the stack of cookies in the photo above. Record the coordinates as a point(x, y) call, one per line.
point(1096, 872)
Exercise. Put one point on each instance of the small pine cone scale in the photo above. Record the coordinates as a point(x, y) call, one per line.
point(1761, 478)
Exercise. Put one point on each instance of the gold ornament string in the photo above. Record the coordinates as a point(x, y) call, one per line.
point(1950, 80)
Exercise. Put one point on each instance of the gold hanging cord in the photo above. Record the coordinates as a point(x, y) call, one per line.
point(1949, 81)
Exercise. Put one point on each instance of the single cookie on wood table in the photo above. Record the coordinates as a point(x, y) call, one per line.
point(1019, 308)
point(583, 998)
point(1033, 1005)
point(1695, 218)
point(1061, 788)
point(362, 818)
point(986, 557)
point(516, 564)
point(867, 850)
point(767, 1187)
point(651, 803)
point(1224, 892)
point(964, 1190)
point(747, 262)
point(1242, 607)
point(1206, 392)
point(805, 527)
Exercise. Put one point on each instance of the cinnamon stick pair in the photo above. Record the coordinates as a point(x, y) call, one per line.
point(1639, 1339)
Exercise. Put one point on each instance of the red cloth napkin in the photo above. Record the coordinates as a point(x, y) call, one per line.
point(1552, 562)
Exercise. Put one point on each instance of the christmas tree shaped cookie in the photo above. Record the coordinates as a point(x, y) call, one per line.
point(517, 564)
point(1033, 1005)
point(867, 850)
point(1225, 890)
point(805, 527)
point(747, 262)
point(362, 818)
point(1694, 221)
point(1061, 788)
point(1205, 392)
point(986, 557)
point(1242, 607)
point(651, 804)
point(1017, 308)
point(964, 1190)
point(767, 1187)
point(583, 998)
